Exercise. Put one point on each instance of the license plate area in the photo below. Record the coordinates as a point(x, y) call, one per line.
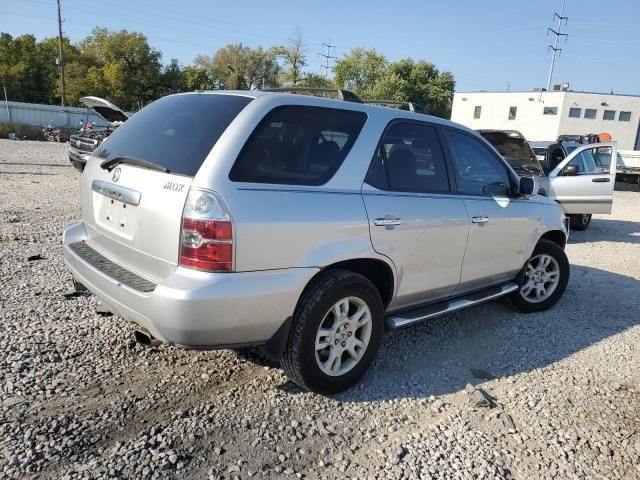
point(115, 216)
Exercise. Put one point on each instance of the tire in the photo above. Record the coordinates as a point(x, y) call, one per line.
point(581, 221)
point(524, 299)
point(302, 363)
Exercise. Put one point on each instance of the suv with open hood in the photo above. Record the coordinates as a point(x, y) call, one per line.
point(307, 226)
point(83, 143)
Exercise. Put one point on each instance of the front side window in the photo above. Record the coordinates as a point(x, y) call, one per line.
point(624, 116)
point(477, 112)
point(409, 158)
point(512, 113)
point(609, 115)
point(550, 111)
point(593, 161)
point(575, 112)
point(590, 113)
point(298, 145)
point(479, 172)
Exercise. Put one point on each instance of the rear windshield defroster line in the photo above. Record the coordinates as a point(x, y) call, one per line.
point(175, 133)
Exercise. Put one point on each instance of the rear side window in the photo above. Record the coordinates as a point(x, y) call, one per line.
point(176, 132)
point(409, 158)
point(298, 145)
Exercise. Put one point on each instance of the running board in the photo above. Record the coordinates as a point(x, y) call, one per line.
point(404, 319)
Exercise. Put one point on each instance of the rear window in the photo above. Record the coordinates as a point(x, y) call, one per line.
point(516, 151)
point(175, 132)
point(298, 145)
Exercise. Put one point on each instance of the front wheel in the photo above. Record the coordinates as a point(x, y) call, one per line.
point(336, 332)
point(543, 280)
point(581, 221)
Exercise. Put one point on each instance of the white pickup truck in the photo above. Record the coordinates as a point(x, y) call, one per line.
point(628, 168)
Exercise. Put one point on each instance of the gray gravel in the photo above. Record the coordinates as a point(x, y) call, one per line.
point(78, 399)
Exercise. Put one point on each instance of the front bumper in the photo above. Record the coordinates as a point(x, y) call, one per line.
point(197, 309)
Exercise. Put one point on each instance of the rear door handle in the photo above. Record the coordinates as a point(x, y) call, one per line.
point(601, 180)
point(385, 222)
point(479, 219)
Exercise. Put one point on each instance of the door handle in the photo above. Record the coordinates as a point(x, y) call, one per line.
point(601, 180)
point(385, 222)
point(479, 219)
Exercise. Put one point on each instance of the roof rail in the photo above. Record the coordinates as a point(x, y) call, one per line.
point(410, 106)
point(345, 95)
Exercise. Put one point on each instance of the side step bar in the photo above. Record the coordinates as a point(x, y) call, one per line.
point(404, 319)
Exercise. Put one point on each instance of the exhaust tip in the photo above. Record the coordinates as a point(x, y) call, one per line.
point(145, 338)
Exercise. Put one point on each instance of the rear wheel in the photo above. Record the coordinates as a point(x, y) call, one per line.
point(337, 329)
point(581, 221)
point(544, 278)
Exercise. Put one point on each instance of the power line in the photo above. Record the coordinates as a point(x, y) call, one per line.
point(558, 33)
point(327, 56)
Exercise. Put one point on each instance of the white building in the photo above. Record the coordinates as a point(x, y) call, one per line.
point(545, 115)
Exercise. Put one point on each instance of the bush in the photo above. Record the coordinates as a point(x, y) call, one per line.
point(29, 132)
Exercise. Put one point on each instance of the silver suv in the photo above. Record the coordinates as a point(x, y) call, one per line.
point(307, 226)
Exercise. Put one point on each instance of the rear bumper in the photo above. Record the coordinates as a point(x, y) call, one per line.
point(197, 309)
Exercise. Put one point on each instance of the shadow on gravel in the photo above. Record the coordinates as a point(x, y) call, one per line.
point(26, 173)
point(492, 341)
point(603, 230)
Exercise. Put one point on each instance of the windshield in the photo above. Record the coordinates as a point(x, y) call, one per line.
point(174, 133)
point(516, 151)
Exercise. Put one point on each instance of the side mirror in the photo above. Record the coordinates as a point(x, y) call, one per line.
point(527, 186)
point(571, 170)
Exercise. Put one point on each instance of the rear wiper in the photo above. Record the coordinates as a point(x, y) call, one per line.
point(112, 162)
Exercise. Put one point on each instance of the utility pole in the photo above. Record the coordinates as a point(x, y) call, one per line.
point(557, 33)
point(61, 57)
point(327, 56)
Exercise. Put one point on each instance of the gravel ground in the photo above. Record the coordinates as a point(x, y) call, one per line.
point(555, 394)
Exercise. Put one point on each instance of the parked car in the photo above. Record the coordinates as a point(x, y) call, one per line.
point(579, 177)
point(83, 143)
point(306, 226)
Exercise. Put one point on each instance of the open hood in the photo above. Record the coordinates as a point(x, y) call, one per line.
point(105, 109)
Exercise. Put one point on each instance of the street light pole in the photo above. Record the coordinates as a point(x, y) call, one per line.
point(61, 57)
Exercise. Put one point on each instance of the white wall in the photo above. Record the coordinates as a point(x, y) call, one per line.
point(536, 126)
point(529, 120)
point(623, 132)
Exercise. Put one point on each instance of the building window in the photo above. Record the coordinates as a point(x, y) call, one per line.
point(477, 111)
point(590, 113)
point(550, 111)
point(575, 112)
point(512, 113)
point(609, 115)
point(624, 116)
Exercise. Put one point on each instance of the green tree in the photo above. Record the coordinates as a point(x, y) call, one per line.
point(197, 78)
point(295, 59)
point(238, 67)
point(360, 71)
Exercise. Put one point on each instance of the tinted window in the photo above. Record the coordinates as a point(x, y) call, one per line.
point(624, 116)
point(477, 111)
point(575, 112)
point(298, 145)
point(513, 112)
point(550, 111)
point(174, 132)
point(409, 158)
point(478, 170)
point(609, 115)
point(516, 151)
point(590, 113)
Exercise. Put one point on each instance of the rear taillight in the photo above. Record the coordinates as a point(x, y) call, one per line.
point(206, 239)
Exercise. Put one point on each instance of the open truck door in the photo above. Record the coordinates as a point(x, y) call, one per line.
point(583, 182)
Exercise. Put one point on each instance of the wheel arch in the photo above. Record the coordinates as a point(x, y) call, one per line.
point(556, 236)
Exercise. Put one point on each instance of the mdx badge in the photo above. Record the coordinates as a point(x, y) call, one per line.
point(174, 187)
point(116, 174)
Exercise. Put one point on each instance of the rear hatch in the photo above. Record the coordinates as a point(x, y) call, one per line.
point(135, 185)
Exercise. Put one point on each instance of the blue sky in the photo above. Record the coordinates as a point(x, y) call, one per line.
point(487, 44)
